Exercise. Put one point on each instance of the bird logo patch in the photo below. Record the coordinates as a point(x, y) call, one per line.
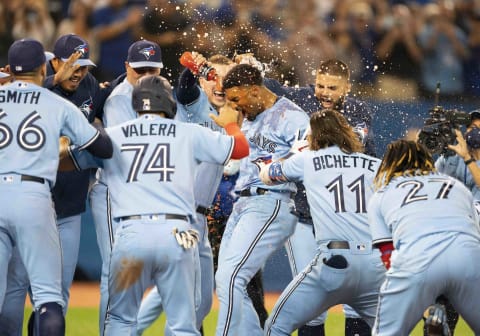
point(147, 52)
point(82, 48)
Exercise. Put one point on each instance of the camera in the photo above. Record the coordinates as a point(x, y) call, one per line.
point(438, 130)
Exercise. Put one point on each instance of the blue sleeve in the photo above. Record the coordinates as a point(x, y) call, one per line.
point(187, 91)
point(294, 167)
point(83, 159)
point(378, 228)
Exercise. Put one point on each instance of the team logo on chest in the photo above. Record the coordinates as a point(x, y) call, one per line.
point(86, 107)
point(263, 142)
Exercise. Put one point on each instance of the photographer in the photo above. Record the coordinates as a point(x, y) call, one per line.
point(463, 165)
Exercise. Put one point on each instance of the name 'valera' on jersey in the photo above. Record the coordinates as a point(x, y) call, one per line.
point(149, 129)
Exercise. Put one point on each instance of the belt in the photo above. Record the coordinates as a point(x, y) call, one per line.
point(32, 179)
point(152, 216)
point(248, 192)
point(338, 244)
point(202, 210)
point(261, 191)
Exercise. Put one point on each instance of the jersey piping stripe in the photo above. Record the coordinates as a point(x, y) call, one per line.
point(109, 219)
point(243, 261)
point(380, 297)
point(74, 160)
point(89, 142)
point(382, 240)
point(279, 305)
point(291, 256)
point(230, 151)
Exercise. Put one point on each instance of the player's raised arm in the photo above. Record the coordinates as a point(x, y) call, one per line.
point(228, 118)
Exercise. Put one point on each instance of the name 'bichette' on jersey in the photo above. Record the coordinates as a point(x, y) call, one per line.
point(267, 140)
point(339, 184)
point(394, 211)
point(140, 167)
point(31, 119)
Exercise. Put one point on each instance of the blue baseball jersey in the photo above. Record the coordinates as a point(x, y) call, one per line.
point(71, 188)
point(271, 135)
point(153, 157)
point(208, 175)
point(118, 106)
point(338, 187)
point(32, 119)
point(422, 215)
point(358, 114)
point(455, 167)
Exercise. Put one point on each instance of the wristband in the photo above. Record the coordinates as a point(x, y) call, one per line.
point(467, 162)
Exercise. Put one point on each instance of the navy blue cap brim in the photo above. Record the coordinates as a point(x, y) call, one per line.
point(81, 62)
point(146, 64)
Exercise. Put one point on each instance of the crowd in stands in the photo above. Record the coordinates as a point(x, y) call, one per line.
point(396, 49)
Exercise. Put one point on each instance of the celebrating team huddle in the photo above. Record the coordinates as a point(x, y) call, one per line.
point(386, 238)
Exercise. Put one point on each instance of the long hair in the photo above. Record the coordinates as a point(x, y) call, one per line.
point(404, 158)
point(329, 128)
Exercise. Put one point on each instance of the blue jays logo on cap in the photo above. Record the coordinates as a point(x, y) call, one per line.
point(83, 48)
point(147, 52)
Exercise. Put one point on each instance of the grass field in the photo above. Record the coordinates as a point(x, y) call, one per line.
point(83, 322)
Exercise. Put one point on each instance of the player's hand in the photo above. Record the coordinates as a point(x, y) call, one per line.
point(301, 142)
point(264, 176)
point(461, 147)
point(68, 68)
point(272, 174)
point(262, 161)
point(186, 239)
point(227, 115)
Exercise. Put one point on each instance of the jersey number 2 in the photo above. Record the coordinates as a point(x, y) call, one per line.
point(158, 162)
point(414, 196)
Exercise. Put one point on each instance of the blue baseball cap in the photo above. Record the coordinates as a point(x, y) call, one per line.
point(66, 45)
point(145, 53)
point(25, 55)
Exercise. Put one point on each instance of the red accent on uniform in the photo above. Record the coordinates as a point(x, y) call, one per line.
point(386, 250)
point(241, 148)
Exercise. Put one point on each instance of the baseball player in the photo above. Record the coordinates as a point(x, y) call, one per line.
point(261, 219)
point(154, 161)
point(332, 85)
point(346, 269)
point(433, 224)
point(32, 120)
point(70, 79)
point(197, 97)
point(144, 58)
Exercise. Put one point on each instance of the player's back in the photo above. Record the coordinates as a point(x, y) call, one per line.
point(153, 166)
point(425, 210)
point(31, 121)
point(338, 187)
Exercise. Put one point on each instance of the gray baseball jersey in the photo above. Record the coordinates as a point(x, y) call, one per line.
point(434, 227)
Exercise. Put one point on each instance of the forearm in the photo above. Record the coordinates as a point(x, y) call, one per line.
point(188, 90)
point(240, 148)
point(102, 147)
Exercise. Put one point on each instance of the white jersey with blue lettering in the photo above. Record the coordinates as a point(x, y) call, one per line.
point(271, 135)
point(146, 176)
point(338, 187)
point(208, 175)
point(32, 119)
point(423, 215)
